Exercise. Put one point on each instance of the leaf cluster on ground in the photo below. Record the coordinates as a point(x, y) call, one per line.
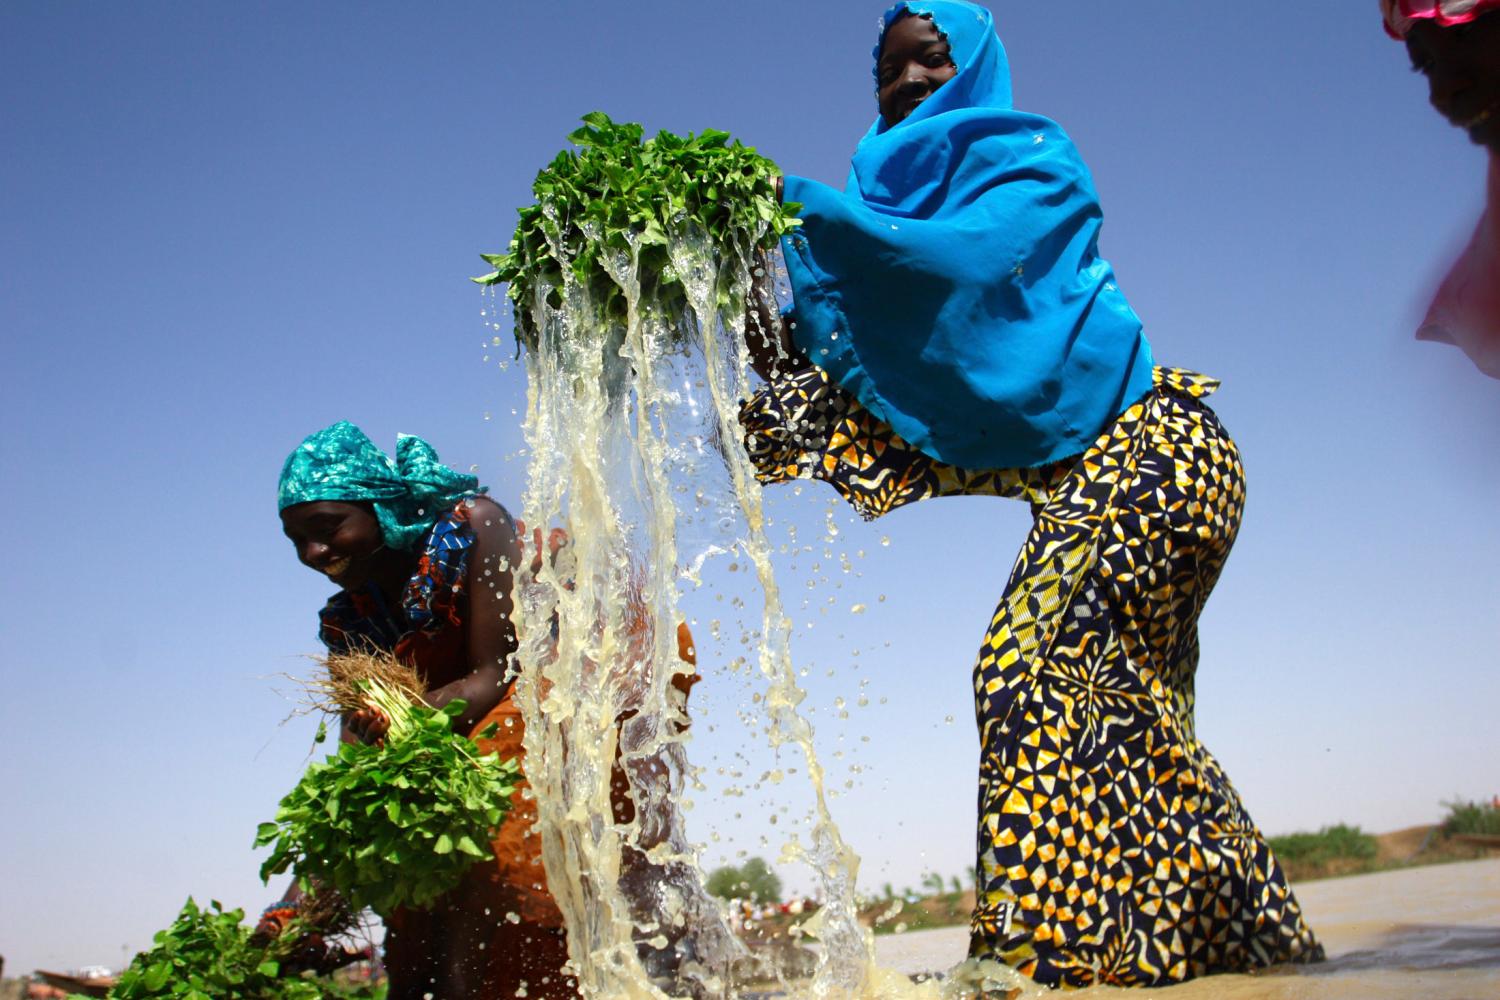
point(209, 954)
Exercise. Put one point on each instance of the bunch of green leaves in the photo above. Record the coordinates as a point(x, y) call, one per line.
point(395, 823)
point(620, 194)
point(209, 954)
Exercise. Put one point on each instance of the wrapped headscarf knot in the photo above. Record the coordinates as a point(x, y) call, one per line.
point(408, 495)
point(1401, 15)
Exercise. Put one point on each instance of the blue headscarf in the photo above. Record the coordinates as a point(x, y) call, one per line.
point(954, 285)
point(409, 495)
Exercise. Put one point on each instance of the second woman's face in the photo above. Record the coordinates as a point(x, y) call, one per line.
point(340, 540)
point(914, 61)
point(1462, 66)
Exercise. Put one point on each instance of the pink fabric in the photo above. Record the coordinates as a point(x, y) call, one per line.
point(1466, 310)
point(1400, 15)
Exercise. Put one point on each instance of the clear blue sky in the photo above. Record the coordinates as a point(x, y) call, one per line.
point(224, 227)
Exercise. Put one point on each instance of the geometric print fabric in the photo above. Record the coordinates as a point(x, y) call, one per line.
point(1112, 848)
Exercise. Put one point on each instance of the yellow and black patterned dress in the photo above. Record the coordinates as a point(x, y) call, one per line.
point(1112, 847)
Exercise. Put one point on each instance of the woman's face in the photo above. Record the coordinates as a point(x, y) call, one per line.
point(914, 61)
point(1462, 66)
point(340, 540)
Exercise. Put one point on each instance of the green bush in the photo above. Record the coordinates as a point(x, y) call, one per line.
point(1471, 817)
point(754, 880)
point(1331, 843)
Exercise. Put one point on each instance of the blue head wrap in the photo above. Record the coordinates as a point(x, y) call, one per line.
point(954, 285)
point(409, 494)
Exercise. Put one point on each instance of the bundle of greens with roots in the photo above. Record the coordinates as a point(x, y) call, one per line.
point(611, 220)
point(395, 823)
point(209, 954)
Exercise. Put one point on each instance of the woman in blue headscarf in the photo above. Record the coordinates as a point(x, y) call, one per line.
point(954, 331)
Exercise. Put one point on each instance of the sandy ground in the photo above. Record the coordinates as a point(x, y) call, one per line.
point(1430, 933)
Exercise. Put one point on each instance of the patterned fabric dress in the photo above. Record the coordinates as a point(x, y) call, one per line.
point(1111, 847)
point(500, 921)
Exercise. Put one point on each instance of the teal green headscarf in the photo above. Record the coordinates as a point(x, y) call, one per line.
point(409, 494)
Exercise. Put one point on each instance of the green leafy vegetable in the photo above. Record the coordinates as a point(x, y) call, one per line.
point(398, 823)
point(209, 954)
point(619, 194)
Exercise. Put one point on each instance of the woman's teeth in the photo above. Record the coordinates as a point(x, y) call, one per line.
point(336, 568)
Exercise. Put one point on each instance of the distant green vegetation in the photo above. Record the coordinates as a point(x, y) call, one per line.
point(754, 880)
point(1331, 844)
point(1471, 817)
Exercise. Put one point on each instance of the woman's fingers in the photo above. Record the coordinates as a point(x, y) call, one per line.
point(369, 724)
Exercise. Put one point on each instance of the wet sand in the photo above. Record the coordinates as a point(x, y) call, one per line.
point(1430, 933)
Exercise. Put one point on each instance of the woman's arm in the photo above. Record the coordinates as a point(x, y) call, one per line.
point(490, 582)
point(767, 333)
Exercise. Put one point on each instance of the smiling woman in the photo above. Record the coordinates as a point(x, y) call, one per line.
point(424, 563)
point(914, 61)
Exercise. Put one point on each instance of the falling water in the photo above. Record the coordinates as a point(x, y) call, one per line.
point(635, 450)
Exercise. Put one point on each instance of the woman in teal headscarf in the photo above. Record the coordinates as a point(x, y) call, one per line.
point(424, 564)
point(954, 331)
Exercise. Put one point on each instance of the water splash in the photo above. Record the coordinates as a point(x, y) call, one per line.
point(635, 449)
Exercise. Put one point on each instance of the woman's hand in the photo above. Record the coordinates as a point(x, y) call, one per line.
point(367, 725)
point(767, 335)
point(274, 921)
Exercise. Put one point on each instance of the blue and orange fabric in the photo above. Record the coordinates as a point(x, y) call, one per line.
point(426, 630)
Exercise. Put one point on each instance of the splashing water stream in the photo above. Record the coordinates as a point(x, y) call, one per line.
point(623, 421)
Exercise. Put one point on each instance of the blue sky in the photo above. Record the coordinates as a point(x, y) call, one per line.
point(224, 227)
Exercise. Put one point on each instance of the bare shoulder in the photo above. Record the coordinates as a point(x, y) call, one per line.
point(493, 527)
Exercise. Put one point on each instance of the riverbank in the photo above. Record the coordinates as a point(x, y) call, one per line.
point(1430, 932)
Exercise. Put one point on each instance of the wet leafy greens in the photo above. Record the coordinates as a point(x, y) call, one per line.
point(617, 192)
point(208, 954)
point(396, 823)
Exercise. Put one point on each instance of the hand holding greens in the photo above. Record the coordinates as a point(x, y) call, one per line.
point(398, 823)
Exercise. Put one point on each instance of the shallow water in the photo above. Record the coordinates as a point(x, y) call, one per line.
point(1429, 933)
